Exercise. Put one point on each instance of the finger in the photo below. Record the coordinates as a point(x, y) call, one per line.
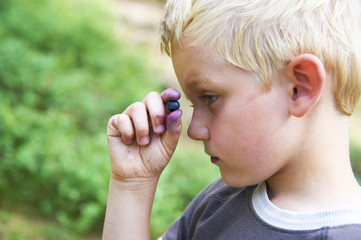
point(112, 129)
point(174, 128)
point(170, 94)
point(125, 128)
point(139, 116)
point(154, 104)
point(121, 125)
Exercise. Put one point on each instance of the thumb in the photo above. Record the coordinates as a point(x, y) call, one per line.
point(174, 128)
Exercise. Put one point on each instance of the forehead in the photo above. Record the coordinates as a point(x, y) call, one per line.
point(198, 70)
point(196, 62)
point(187, 54)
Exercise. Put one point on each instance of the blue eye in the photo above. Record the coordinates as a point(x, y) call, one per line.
point(209, 98)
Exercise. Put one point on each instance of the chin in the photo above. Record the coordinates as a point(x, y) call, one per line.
point(237, 181)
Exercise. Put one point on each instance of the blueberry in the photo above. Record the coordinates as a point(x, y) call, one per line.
point(173, 105)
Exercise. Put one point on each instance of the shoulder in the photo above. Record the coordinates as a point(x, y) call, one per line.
point(328, 224)
point(216, 203)
point(347, 232)
point(223, 212)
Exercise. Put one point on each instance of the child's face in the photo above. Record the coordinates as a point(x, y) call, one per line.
point(243, 130)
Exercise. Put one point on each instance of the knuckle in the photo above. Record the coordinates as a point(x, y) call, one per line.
point(113, 119)
point(119, 121)
point(136, 107)
point(153, 94)
point(151, 97)
point(119, 118)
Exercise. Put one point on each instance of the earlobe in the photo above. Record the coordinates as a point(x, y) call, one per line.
point(307, 76)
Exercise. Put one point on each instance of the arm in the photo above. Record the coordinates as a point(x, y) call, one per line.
point(128, 212)
point(139, 151)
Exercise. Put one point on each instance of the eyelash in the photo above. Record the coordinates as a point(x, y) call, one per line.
point(210, 99)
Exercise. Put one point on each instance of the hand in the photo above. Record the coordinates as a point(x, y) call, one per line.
point(143, 138)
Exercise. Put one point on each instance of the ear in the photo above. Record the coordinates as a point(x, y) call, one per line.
point(307, 75)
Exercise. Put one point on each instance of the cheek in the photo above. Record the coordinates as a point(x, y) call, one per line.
point(234, 132)
point(242, 123)
point(250, 130)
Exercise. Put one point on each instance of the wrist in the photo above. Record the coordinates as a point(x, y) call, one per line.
point(134, 184)
point(129, 208)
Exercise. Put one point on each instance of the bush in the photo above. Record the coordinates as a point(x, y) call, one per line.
point(63, 73)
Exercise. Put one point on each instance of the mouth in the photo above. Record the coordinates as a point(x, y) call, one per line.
point(213, 158)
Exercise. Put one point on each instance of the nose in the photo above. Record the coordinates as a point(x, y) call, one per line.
point(197, 129)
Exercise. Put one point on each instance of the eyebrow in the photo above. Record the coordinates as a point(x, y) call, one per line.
point(199, 81)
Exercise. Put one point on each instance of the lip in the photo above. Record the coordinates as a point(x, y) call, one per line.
point(214, 160)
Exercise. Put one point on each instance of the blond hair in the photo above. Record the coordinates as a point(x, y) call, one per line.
point(262, 36)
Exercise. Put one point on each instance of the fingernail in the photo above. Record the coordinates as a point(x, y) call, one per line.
point(144, 141)
point(160, 128)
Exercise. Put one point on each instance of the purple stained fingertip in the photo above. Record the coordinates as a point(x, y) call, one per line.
point(172, 95)
point(173, 119)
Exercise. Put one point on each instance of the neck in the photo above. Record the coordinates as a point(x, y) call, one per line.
point(319, 175)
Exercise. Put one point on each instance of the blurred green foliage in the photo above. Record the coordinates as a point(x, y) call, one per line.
point(63, 73)
point(189, 171)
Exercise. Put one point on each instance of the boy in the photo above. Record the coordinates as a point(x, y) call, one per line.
point(273, 84)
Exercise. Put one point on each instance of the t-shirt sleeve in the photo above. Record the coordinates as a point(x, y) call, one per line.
point(182, 227)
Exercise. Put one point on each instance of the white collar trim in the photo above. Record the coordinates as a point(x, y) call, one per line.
point(285, 219)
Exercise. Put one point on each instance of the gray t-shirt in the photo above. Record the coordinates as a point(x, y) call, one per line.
point(222, 212)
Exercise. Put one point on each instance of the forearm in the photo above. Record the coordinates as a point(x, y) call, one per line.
point(128, 209)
